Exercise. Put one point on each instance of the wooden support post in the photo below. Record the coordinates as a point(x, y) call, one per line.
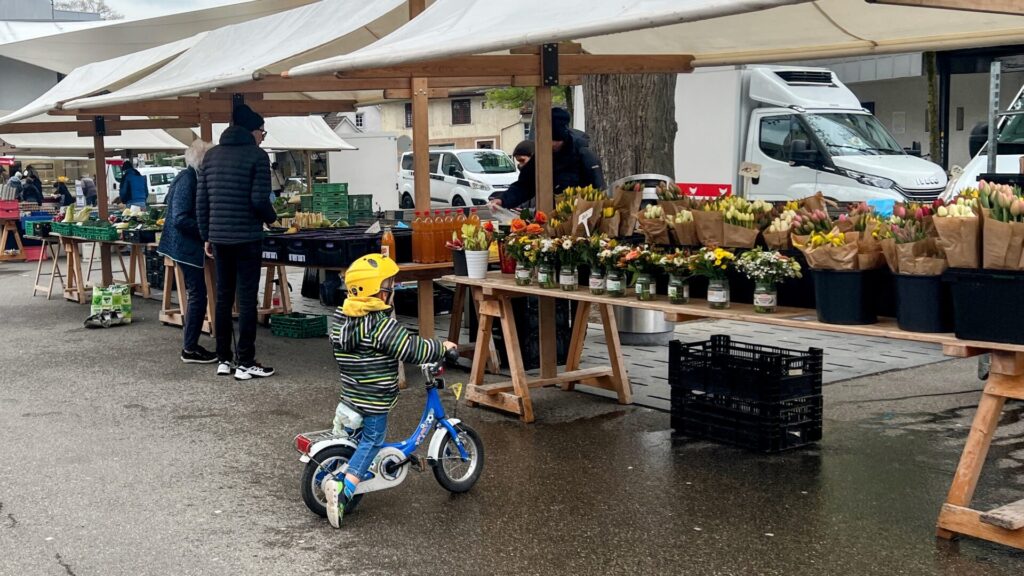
point(106, 273)
point(309, 172)
point(421, 182)
point(545, 202)
point(205, 128)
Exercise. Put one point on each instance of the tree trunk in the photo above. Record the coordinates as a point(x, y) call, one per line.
point(631, 123)
point(934, 135)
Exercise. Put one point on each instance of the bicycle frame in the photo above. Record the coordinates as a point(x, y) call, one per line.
point(433, 417)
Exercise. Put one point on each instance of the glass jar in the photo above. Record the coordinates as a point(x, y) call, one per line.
point(597, 282)
point(644, 287)
point(546, 276)
point(567, 278)
point(765, 298)
point(524, 274)
point(508, 263)
point(718, 293)
point(615, 284)
point(678, 289)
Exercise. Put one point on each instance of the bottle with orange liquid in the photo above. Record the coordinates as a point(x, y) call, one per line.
point(387, 243)
point(439, 236)
point(474, 218)
point(460, 219)
point(449, 223)
point(415, 225)
point(426, 238)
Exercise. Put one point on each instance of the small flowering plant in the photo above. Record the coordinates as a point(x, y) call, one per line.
point(639, 260)
point(571, 251)
point(611, 257)
point(523, 248)
point(711, 262)
point(547, 251)
point(591, 249)
point(767, 267)
point(475, 238)
point(676, 263)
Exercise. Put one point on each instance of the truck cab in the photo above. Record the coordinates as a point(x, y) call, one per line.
point(799, 131)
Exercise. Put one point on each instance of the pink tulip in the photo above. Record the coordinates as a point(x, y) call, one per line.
point(843, 218)
point(900, 211)
point(919, 214)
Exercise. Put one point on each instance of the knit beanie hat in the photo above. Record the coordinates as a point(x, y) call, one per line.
point(244, 117)
point(559, 124)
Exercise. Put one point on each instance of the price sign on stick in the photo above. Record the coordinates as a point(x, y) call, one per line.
point(583, 219)
point(375, 228)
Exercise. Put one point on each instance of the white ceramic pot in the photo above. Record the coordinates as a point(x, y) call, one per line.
point(476, 263)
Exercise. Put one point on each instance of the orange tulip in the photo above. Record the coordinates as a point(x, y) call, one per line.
point(534, 229)
point(540, 217)
point(518, 225)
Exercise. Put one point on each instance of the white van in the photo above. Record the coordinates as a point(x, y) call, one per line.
point(798, 131)
point(459, 177)
point(158, 179)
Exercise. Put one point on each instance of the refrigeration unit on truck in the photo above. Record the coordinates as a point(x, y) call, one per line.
point(795, 131)
point(1009, 148)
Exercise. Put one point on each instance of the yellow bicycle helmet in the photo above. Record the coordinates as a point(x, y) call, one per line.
point(366, 275)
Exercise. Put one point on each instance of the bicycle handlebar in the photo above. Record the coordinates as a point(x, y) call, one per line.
point(451, 355)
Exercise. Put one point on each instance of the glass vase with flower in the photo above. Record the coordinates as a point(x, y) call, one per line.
point(767, 269)
point(713, 263)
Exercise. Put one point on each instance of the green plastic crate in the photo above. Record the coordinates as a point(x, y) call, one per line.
point(341, 204)
point(298, 325)
point(101, 233)
point(62, 228)
point(33, 228)
point(306, 202)
point(361, 203)
point(331, 187)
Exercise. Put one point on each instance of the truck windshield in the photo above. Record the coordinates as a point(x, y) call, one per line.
point(853, 135)
point(482, 162)
point(1012, 131)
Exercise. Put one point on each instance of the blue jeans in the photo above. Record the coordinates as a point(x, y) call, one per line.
point(195, 287)
point(375, 429)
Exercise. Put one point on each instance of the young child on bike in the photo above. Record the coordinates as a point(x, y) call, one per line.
point(368, 345)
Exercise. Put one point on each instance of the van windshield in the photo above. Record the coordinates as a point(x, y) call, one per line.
point(1012, 131)
point(853, 135)
point(484, 162)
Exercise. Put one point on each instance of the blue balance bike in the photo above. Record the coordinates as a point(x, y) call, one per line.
point(455, 453)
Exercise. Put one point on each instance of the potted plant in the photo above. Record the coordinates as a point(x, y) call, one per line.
point(476, 241)
point(611, 261)
point(523, 246)
point(458, 254)
point(767, 269)
point(676, 265)
point(570, 254)
point(713, 263)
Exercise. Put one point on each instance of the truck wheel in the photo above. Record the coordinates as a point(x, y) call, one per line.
point(407, 202)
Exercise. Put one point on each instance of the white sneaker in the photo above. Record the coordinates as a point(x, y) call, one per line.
point(254, 371)
point(331, 487)
point(224, 369)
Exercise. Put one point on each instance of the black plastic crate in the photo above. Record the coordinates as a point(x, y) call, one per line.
point(760, 426)
point(333, 253)
point(139, 236)
point(274, 248)
point(751, 372)
point(302, 250)
point(985, 304)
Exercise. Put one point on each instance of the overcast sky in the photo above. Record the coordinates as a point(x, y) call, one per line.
point(143, 8)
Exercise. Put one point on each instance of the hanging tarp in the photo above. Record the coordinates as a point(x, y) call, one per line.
point(66, 143)
point(267, 45)
point(294, 133)
point(715, 32)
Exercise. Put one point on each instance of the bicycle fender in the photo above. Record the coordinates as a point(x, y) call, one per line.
point(323, 444)
point(438, 438)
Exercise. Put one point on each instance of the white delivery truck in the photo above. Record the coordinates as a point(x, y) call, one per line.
point(1009, 147)
point(795, 131)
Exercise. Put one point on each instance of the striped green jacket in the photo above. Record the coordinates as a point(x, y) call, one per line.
point(368, 350)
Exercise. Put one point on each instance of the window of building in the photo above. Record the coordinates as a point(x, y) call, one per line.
point(408, 114)
point(359, 120)
point(462, 112)
point(485, 144)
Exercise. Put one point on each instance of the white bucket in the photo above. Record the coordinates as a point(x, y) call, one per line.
point(476, 263)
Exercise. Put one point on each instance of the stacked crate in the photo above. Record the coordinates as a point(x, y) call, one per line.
point(331, 200)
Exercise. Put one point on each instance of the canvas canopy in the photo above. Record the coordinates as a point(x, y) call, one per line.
point(67, 143)
point(267, 45)
point(295, 133)
point(715, 32)
point(65, 46)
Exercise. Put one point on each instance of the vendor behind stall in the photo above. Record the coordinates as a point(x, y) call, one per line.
point(61, 192)
point(31, 189)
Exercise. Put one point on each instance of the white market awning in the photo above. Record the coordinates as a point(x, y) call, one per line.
point(295, 133)
point(70, 143)
point(715, 32)
point(268, 45)
point(68, 45)
point(100, 76)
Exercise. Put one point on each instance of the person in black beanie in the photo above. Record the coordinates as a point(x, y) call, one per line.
point(574, 164)
point(232, 205)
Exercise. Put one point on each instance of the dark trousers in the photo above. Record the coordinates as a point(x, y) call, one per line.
point(238, 269)
point(91, 200)
point(195, 287)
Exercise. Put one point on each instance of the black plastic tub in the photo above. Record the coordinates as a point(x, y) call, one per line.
point(797, 292)
point(923, 304)
point(844, 297)
point(459, 261)
point(881, 287)
point(986, 304)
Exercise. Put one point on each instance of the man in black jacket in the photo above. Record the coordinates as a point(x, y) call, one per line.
point(574, 164)
point(232, 205)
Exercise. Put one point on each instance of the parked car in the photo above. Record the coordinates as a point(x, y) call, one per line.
point(459, 177)
point(159, 179)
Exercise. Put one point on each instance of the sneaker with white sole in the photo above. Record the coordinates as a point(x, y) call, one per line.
point(224, 369)
point(254, 371)
point(331, 493)
point(198, 356)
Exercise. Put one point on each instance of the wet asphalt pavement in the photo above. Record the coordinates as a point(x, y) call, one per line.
point(116, 459)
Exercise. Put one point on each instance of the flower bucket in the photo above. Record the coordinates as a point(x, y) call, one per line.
point(476, 263)
point(844, 297)
point(923, 304)
point(459, 261)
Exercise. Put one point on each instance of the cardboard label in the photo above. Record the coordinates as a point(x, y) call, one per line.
point(584, 216)
point(750, 170)
point(374, 228)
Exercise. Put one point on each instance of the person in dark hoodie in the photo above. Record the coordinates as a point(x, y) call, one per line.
point(232, 205)
point(574, 165)
point(61, 192)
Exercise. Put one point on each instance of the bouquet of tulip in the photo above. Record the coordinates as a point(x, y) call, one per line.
point(777, 235)
point(561, 219)
point(653, 225)
point(831, 251)
point(626, 201)
point(1003, 228)
point(858, 218)
point(585, 199)
point(609, 224)
point(668, 191)
point(711, 262)
point(806, 223)
point(909, 249)
point(682, 226)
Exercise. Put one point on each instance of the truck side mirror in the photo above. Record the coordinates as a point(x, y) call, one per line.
point(978, 138)
point(801, 155)
point(914, 150)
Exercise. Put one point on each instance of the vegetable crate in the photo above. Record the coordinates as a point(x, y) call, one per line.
point(40, 228)
point(298, 325)
point(361, 203)
point(99, 233)
point(62, 228)
point(9, 209)
point(330, 188)
point(763, 398)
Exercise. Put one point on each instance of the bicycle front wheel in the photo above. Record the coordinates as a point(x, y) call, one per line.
point(452, 472)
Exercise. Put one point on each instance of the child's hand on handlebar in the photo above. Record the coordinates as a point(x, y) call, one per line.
point(450, 345)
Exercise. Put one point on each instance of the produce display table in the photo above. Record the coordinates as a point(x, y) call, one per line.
point(174, 281)
point(75, 289)
point(1004, 525)
point(51, 246)
point(9, 226)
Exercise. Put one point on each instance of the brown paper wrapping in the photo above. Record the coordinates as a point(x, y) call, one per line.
point(1003, 245)
point(685, 234)
point(920, 258)
point(817, 202)
point(709, 226)
point(673, 207)
point(832, 257)
point(958, 238)
point(610, 226)
point(869, 251)
point(846, 225)
point(655, 230)
point(593, 221)
point(889, 251)
point(627, 203)
point(738, 236)
point(798, 240)
point(777, 240)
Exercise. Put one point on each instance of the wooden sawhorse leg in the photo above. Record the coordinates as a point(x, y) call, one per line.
point(455, 331)
point(280, 272)
point(137, 265)
point(618, 380)
point(50, 246)
point(174, 281)
point(1005, 524)
point(74, 290)
point(10, 227)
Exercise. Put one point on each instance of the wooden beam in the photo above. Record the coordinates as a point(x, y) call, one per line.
point(1012, 7)
point(90, 133)
point(416, 7)
point(403, 94)
point(330, 83)
point(421, 143)
point(624, 64)
point(563, 48)
point(543, 158)
point(194, 107)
